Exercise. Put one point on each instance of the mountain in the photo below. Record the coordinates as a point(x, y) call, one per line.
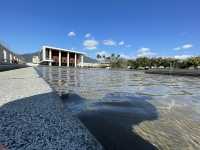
point(28, 56)
point(89, 60)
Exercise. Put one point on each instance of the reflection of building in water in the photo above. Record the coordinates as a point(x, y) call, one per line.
point(8, 57)
point(61, 57)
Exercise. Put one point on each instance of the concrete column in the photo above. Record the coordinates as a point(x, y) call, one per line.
point(59, 58)
point(44, 53)
point(50, 57)
point(75, 60)
point(82, 60)
point(11, 58)
point(67, 59)
point(4, 55)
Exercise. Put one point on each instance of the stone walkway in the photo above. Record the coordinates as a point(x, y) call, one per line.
point(32, 116)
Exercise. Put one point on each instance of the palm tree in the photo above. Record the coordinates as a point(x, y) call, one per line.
point(112, 55)
point(98, 56)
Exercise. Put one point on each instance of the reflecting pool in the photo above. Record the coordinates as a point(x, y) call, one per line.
point(131, 109)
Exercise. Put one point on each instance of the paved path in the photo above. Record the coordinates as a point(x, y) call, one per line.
point(32, 116)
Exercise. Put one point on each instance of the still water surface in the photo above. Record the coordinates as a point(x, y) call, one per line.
point(131, 109)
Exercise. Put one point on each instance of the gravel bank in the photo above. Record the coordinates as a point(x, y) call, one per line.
point(32, 116)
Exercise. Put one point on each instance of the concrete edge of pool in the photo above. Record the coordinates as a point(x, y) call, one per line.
point(7, 67)
point(177, 72)
point(32, 116)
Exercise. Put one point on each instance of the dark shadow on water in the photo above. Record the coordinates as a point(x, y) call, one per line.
point(111, 120)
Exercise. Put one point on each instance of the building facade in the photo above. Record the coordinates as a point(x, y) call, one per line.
point(8, 57)
point(61, 57)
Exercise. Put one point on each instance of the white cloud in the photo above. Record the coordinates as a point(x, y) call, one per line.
point(126, 56)
point(87, 35)
point(90, 44)
point(145, 52)
point(186, 46)
point(177, 48)
point(71, 34)
point(128, 46)
point(109, 42)
point(182, 56)
point(183, 33)
point(121, 43)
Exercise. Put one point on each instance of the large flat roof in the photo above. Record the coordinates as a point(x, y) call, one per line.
point(62, 49)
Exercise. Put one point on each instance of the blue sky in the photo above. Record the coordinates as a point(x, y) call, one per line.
point(131, 28)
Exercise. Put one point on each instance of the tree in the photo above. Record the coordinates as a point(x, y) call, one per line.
point(132, 63)
point(98, 56)
point(117, 62)
point(112, 55)
point(143, 61)
point(194, 61)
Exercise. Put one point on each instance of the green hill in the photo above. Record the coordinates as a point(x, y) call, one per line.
point(28, 56)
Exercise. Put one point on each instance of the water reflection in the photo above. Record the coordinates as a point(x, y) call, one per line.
point(112, 120)
point(175, 99)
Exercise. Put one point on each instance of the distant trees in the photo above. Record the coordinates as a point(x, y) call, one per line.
point(153, 62)
point(165, 62)
point(195, 61)
point(119, 63)
point(144, 62)
point(114, 60)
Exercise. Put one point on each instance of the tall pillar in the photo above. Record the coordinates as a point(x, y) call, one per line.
point(59, 58)
point(4, 55)
point(81, 60)
point(11, 58)
point(44, 53)
point(67, 59)
point(50, 57)
point(75, 60)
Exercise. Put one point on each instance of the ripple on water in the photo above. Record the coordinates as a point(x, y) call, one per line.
point(124, 107)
